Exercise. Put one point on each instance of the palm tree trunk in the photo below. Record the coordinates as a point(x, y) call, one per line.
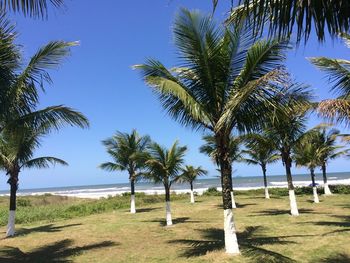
point(327, 191)
point(132, 202)
point(231, 244)
point(314, 188)
point(13, 181)
point(169, 221)
point(263, 167)
point(232, 196)
point(292, 200)
point(192, 194)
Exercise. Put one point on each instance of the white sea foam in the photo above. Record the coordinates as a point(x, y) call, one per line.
point(96, 193)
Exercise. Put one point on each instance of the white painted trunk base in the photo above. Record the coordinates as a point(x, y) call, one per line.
point(267, 195)
point(327, 191)
point(11, 224)
point(192, 197)
point(169, 222)
point(293, 203)
point(231, 244)
point(233, 200)
point(314, 190)
point(132, 205)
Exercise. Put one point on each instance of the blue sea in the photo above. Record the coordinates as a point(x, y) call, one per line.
point(239, 183)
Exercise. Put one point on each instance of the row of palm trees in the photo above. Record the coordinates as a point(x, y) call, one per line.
point(227, 81)
point(147, 160)
point(224, 82)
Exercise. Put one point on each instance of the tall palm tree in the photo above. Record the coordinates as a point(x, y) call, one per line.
point(329, 150)
point(286, 127)
point(261, 151)
point(306, 153)
point(283, 17)
point(210, 148)
point(31, 8)
point(189, 175)
point(338, 73)
point(19, 99)
point(164, 166)
point(128, 152)
point(221, 84)
point(16, 153)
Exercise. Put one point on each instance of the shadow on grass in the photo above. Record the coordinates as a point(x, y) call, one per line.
point(238, 205)
point(46, 228)
point(57, 252)
point(249, 241)
point(344, 223)
point(145, 210)
point(274, 212)
point(339, 258)
point(178, 220)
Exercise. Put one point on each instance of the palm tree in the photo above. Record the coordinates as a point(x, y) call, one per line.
point(222, 83)
point(128, 152)
point(338, 73)
point(31, 8)
point(283, 17)
point(261, 151)
point(306, 153)
point(210, 148)
point(189, 175)
point(164, 166)
point(326, 141)
point(286, 127)
point(18, 104)
point(16, 153)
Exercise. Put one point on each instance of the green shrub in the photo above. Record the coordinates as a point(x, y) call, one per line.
point(23, 202)
point(212, 191)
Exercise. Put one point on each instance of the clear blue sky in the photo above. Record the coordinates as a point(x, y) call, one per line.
point(98, 81)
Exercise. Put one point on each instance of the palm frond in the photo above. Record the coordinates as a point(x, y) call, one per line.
point(337, 71)
point(283, 17)
point(31, 8)
point(44, 162)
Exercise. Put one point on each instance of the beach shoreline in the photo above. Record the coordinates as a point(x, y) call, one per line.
point(98, 193)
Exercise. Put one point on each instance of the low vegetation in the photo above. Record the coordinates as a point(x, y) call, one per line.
point(266, 232)
point(50, 208)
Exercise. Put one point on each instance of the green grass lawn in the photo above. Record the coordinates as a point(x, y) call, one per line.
point(265, 230)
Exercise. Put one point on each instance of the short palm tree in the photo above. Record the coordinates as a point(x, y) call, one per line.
point(329, 150)
point(189, 175)
point(286, 127)
point(165, 166)
point(16, 153)
point(306, 153)
point(128, 152)
point(260, 150)
point(222, 83)
point(210, 148)
point(284, 17)
point(338, 73)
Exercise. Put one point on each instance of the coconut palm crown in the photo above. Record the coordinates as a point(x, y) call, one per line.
point(222, 82)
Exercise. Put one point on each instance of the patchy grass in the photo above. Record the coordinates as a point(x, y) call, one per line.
point(265, 230)
point(51, 208)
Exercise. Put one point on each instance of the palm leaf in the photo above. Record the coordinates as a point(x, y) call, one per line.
point(43, 162)
point(32, 8)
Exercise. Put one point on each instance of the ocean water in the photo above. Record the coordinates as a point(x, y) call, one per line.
point(243, 183)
